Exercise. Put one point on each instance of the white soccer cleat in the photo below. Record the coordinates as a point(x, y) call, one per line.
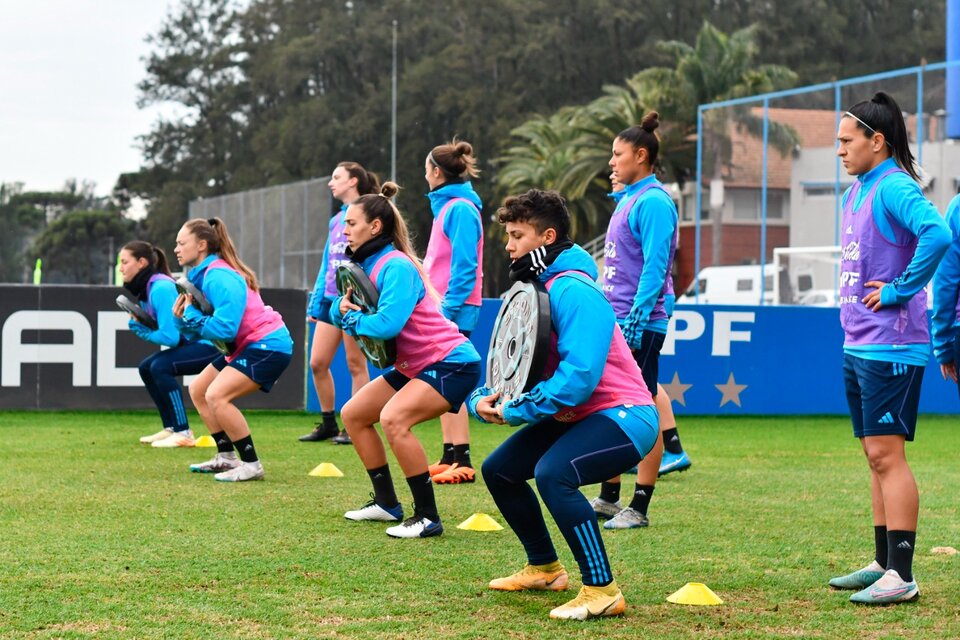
point(219, 462)
point(242, 473)
point(373, 511)
point(159, 435)
point(178, 439)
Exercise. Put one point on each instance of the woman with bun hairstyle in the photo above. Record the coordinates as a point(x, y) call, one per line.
point(146, 276)
point(892, 240)
point(436, 367)
point(348, 182)
point(454, 264)
point(257, 341)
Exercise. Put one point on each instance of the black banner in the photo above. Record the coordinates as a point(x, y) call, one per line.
point(68, 347)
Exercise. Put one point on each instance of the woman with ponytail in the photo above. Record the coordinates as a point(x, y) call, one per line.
point(348, 182)
point(640, 245)
point(258, 344)
point(146, 276)
point(893, 239)
point(454, 264)
point(436, 366)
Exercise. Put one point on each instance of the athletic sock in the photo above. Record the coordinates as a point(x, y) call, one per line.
point(383, 492)
point(641, 498)
point(447, 456)
point(329, 421)
point(550, 567)
point(461, 455)
point(671, 441)
point(245, 449)
point(424, 503)
point(900, 552)
point(610, 491)
point(880, 544)
point(224, 443)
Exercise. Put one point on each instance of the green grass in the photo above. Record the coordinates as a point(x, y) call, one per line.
point(101, 537)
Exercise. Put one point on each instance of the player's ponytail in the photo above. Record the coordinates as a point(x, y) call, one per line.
point(881, 114)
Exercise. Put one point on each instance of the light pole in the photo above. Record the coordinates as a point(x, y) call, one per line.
point(393, 111)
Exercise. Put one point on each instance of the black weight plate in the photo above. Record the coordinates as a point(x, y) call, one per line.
point(380, 353)
point(520, 342)
point(137, 312)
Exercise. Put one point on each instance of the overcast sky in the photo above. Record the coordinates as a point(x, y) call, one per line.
point(68, 76)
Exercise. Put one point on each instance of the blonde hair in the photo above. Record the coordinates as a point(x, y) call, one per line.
point(214, 231)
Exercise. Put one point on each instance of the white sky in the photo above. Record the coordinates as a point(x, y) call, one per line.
point(68, 76)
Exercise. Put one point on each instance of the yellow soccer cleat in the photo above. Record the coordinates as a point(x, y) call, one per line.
point(592, 602)
point(551, 577)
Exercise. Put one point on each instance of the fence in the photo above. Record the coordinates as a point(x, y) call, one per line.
point(279, 231)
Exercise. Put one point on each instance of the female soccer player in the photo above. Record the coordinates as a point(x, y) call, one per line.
point(348, 182)
point(590, 414)
point(639, 249)
point(146, 276)
point(946, 300)
point(258, 341)
point(436, 366)
point(454, 264)
point(893, 239)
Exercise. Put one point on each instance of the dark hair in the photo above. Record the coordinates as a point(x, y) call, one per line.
point(367, 181)
point(455, 159)
point(881, 114)
point(214, 231)
point(542, 209)
point(154, 256)
point(644, 136)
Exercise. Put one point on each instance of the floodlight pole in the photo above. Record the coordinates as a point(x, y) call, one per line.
point(393, 111)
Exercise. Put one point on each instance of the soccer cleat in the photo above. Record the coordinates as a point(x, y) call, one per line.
point(320, 433)
point(532, 578)
point(628, 518)
point(219, 462)
point(455, 475)
point(416, 527)
point(674, 462)
point(242, 473)
point(889, 589)
point(373, 511)
point(159, 435)
point(859, 579)
point(440, 467)
point(178, 439)
point(605, 509)
point(592, 602)
point(341, 438)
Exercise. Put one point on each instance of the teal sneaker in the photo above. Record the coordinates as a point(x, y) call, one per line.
point(674, 462)
point(859, 579)
point(889, 589)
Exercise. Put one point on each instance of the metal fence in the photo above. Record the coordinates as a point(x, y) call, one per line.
point(768, 175)
point(279, 231)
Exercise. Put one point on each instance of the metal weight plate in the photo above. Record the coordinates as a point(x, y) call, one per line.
point(200, 301)
point(521, 340)
point(137, 312)
point(380, 353)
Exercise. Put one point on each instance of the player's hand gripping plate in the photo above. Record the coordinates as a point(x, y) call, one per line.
point(137, 312)
point(380, 353)
point(520, 341)
point(200, 301)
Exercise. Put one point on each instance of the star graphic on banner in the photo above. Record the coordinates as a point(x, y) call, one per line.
point(731, 391)
point(675, 389)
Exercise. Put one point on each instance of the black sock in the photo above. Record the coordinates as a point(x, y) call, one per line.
point(224, 443)
point(641, 498)
point(880, 544)
point(245, 449)
point(329, 421)
point(447, 456)
point(383, 491)
point(461, 455)
point(424, 504)
point(610, 491)
point(900, 552)
point(671, 441)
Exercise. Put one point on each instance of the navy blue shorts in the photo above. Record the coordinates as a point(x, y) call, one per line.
point(260, 365)
point(324, 315)
point(648, 358)
point(883, 396)
point(452, 380)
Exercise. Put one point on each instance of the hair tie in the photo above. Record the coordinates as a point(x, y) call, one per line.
point(384, 196)
point(212, 222)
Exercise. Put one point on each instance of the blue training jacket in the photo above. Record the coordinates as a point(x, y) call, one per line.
point(946, 286)
point(163, 293)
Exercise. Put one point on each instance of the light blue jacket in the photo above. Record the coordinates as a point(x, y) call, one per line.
point(946, 287)
point(163, 293)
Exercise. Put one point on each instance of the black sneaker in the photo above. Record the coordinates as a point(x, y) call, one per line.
point(320, 433)
point(341, 438)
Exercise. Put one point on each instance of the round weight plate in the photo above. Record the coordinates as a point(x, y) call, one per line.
point(380, 353)
point(521, 340)
point(186, 287)
point(137, 312)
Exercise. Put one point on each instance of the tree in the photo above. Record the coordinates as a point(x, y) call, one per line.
point(20, 221)
point(80, 247)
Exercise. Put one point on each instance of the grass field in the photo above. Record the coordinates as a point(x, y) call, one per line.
point(101, 537)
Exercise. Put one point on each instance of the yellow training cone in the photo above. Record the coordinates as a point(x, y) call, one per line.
point(695, 593)
point(479, 522)
point(204, 441)
point(326, 470)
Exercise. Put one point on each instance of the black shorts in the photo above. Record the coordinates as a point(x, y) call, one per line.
point(648, 358)
point(324, 315)
point(452, 380)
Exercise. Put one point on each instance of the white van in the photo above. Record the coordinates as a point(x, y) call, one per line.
point(740, 284)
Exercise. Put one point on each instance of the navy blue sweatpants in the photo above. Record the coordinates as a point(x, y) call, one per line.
point(561, 457)
point(159, 372)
